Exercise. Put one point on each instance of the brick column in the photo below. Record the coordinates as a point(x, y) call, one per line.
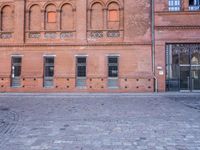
point(43, 19)
point(81, 23)
point(28, 12)
point(0, 21)
point(59, 20)
point(121, 19)
point(19, 21)
point(89, 18)
point(105, 11)
point(75, 16)
point(185, 5)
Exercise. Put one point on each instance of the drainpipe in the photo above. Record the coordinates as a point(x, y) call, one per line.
point(153, 45)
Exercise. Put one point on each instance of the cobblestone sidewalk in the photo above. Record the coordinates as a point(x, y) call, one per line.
point(104, 122)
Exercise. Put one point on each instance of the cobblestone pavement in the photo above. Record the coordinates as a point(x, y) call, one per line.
point(100, 122)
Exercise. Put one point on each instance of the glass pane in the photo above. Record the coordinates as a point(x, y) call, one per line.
point(81, 82)
point(112, 83)
point(195, 57)
point(17, 71)
point(49, 60)
point(113, 60)
point(81, 71)
point(175, 59)
point(113, 71)
point(195, 77)
point(184, 56)
point(185, 78)
point(81, 60)
point(48, 82)
point(49, 71)
point(16, 59)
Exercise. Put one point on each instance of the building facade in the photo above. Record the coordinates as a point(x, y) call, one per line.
point(177, 44)
point(99, 45)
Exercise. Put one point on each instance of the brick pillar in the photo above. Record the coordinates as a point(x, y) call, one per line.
point(59, 19)
point(19, 21)
point(89, 18)
point(105, 10)
point(43, 20)
point(185, 5)
point(81, 26)
point(0, 21)
point(121, 18)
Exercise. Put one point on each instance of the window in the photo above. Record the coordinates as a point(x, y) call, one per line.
point(48, 71)
point(113, 71)
point(51, 17)
point(16, 71)
point(183, 67)
point(194, 4)
point(81, 71)
point(174, 5)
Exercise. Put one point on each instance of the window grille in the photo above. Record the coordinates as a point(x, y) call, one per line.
point(81, 72)
point(174, 5)
point(48, 71)
point(194, 5)
point(16, 71)
point(113, 71)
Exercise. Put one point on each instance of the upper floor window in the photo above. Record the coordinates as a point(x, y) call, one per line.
point(174, 5)
point(194, 4)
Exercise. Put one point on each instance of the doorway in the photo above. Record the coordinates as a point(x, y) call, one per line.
point(183, 67)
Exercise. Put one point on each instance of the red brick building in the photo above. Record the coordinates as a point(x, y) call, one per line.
point(99, 45)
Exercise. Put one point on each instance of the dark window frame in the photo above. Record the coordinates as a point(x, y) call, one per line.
point(48, 80)
point(81, 75)
point(174, 5)
point(194, 5)
point(113, 80)
point(16, 79)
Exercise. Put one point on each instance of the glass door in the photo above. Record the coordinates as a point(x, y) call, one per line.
point(195, 75)
point(185, 78)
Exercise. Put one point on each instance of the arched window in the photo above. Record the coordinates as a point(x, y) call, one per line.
point(50, 17)
point(67, 17)
point(113, 18)
point(97, 16)
point(35, 18)
point(7, 19)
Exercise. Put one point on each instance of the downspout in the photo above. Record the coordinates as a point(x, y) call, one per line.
point(153, 45)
